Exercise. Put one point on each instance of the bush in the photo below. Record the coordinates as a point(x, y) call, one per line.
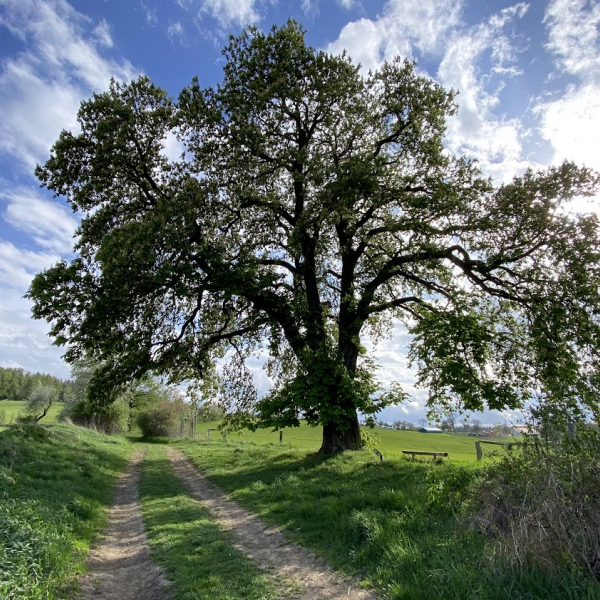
point(541, 503)
point(112, 418)
point(162, 420)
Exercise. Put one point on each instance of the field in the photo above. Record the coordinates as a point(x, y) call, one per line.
point(460, 447)
point(12, 409)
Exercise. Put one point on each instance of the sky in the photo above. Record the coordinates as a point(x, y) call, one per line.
point(527, 73)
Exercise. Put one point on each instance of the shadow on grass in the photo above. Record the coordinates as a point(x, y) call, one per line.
point(390, 522)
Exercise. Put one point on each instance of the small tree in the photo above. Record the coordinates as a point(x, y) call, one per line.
point(40, 401)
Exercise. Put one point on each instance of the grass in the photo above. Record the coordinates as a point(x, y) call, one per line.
point(197, 557)
point(55, 483)
point(10, 410)
point(390, 522)
point(460, 447)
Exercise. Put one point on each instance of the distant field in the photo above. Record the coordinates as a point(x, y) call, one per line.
point(460, 447)
point(14, 408)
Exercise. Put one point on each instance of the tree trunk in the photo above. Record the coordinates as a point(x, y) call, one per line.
point(338, 437)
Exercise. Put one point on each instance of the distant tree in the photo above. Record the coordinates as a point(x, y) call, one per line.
point(403, 425)
point(449, 422)
point(40, 401)
point(18, 384)
point(314, 205)
point(423, 422)
point(476, 425)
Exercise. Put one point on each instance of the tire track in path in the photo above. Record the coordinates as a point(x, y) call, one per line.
point(269, 548)
point(120, 567)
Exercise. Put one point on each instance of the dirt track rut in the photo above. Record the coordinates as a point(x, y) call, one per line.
point(269, 548)
point(120, 567)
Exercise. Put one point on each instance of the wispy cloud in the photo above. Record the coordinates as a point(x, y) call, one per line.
point(573, 35)
point(150, 14)
point(41, 88)
point(49, 224)
point(176, 31)
point(570, 121)
point(476, 131)
point(230, 13)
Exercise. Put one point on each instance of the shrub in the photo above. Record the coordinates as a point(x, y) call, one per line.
point(161, 420)
point(541, 503)
point(112, 418)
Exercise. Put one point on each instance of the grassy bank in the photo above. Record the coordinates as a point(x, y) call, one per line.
point(391, 522)
point(197, 557)
point(54, 485)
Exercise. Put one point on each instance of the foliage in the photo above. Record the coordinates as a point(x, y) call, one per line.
point(117, 414)
point(198, 558)
point(40, 401)
point(54, 486)
point(541, 502)
point(313, 205)
point(18, 384)
point(160, 420)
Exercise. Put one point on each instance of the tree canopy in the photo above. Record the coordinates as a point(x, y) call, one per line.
point(313, 205)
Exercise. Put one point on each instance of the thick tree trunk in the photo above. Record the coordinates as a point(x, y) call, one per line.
point(338, 437)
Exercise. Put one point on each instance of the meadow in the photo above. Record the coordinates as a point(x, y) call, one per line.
point(11, 410)
point(391, 443)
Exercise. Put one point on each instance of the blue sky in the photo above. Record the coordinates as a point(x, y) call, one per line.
point(528, 74)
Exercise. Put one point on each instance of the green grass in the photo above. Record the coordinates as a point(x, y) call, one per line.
point(460, 447)
point(10, 410)
point(197, 557)
point(391, 522)
point(55, 483)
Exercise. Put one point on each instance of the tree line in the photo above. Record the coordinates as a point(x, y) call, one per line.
point(18, 384)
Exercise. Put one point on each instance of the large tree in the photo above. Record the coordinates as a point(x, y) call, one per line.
point(313, 205)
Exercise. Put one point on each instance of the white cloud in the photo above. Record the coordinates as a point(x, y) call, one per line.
point(176, 31)
point(404, 27)
point(573, 35)
point(102, 34)
point(476, 131)
point(310, 7)
point(572, 125)
point(232, 12)
point(571, 121)
point(18, 266)
point(23, 342)
point(434, 28)
point(50, 225)
point(349, 4)
point(150, 14)
point(41, 88)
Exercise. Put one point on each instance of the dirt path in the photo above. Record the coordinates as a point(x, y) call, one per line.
point(265, 545)
point(120, 567)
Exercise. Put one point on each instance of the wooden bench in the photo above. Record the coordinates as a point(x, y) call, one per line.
point(423, 453)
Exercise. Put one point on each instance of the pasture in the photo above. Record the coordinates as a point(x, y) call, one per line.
point(11, 410)
point(460, 447)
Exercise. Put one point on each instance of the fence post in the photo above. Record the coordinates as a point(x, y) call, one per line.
point(280, 436)
point(478, 447)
